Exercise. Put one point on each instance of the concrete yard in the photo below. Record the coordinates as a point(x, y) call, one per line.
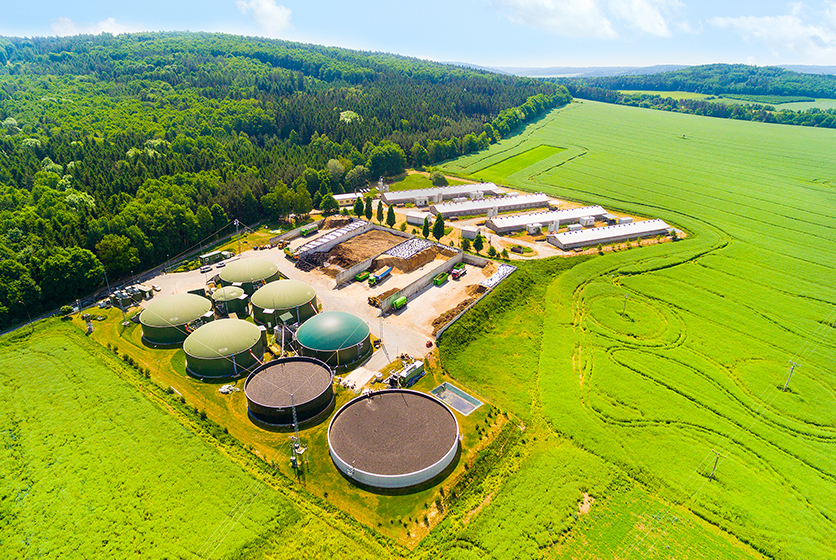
point(405, 331)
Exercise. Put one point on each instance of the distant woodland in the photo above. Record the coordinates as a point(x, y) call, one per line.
point(765, 87)
point(717, 79)
point(118, 152)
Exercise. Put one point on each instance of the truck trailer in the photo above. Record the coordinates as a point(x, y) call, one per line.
point(378, 276)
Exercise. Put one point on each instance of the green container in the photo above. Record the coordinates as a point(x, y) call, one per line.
point(440, 279)
point(362, 276)
point(458, 265)
point(399, 303)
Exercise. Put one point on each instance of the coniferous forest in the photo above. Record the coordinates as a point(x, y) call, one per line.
point(118, 152)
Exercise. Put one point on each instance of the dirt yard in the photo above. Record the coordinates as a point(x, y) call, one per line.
point(357, 249)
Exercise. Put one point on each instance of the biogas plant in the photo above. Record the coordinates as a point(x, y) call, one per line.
point(317, 337)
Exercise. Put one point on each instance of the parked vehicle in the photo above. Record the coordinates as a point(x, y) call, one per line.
point(458, 273)
point(378, 276)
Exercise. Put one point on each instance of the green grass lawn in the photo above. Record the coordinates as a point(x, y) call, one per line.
point(695, 362)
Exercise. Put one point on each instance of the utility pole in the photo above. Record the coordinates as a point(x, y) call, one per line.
point(716, 460)
point(26, 307)
point(792, 367)
point(239, 237)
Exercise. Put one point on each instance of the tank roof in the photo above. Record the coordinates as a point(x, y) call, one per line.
point(251, 269)
point(283, 294)
point(222, 338)
point(228, 293)
point(174, 310)
point(331, 331)
point(273, 383)
point(393, 432)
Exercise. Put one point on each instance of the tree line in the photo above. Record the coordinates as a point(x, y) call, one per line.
point(718, 79)
point(117, 153)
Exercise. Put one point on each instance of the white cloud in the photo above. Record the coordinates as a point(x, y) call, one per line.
point(273, 18)
point(64, 26)
point(648, 16)
point(789, 34)
point(593, 18)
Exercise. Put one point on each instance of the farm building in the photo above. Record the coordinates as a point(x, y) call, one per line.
point(249, 274)
point(417, 218)
point(423, 197)
point(519, 222)
point(470, 232)
point(499, 204)
point(214, 256)
point(223, 348)
point(166, 320)
point(608, 234)
point(274, 389)
point(335, 337)
point(283, 296)
point(230, 299)
point(394, 438)
point(347, 199)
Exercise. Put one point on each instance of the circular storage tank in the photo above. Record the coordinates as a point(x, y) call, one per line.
point(335, 337)
point(269, 389)
point(164, 319)
point(230, 299)
point(223, 348)
point(284, 296)
point(393, 438)
point(249, 274)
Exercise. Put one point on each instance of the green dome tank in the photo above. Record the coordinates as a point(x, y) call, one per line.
point(284, 296)
point(335, 337)
point(164, 320)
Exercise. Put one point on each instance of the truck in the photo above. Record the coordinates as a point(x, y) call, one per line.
point(308, 230)
point(289, 254)
point(440, 279)
point(378, 276)
point(458, 273)
point(399, 303)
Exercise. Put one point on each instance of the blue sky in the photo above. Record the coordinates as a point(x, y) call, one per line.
point(486, 32)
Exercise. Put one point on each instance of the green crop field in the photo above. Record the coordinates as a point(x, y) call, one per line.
point(692, 363)
point(671, 94)
point(91, 468)
point(417, 181)
point(506, 168)
point(804, 105)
